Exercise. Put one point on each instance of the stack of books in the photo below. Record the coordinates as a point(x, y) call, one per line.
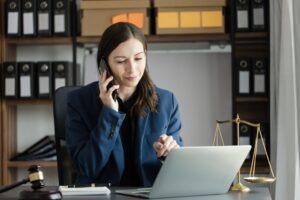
point(43, 149)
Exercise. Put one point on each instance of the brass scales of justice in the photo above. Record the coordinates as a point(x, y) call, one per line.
point(252, 178)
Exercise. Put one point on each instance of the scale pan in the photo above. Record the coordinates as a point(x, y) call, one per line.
point(253, 179)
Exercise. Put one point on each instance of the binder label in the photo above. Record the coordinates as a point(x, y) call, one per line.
point(44, 85)
point(10, 87)
point(244, 80)
point(242, 19)
point(43, 21)
point(28, 26)
point(13, 20)
point(259, 83)
point(59, 22)
point(60, 82)
point(25, 86)
point(258, 16)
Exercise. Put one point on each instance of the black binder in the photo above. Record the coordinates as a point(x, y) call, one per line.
point(259, 76)
point(266, 136)
point(10, 77)
point(258, 15)
point(61, 17)
point(44, 17)
point(29, 17)
point(44, 80)
point(42, 149)
point(246, 136)
point(63, 74)
point(13, 17)
point(243, 77)
point(26, 72)
point(242, 15)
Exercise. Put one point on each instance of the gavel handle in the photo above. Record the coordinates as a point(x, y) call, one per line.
point(6, 188)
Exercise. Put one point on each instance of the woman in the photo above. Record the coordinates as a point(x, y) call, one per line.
point(119, 141)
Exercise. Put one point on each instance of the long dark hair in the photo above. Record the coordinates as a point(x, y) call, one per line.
point(111, 38)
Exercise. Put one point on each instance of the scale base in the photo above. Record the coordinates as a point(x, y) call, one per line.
point(40, 195)
point(239, 187)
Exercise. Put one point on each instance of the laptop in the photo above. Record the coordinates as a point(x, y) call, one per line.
point(193, 171)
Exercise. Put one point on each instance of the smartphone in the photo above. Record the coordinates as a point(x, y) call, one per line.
point(104, 66)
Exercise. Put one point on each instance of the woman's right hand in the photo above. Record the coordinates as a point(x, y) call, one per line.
point(106, 94)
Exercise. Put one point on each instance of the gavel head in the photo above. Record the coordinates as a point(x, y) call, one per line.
point(36, 177)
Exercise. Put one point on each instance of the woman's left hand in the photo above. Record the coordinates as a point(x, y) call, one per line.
point(164, 145)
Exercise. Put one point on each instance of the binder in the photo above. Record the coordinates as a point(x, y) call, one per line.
point(243, 70)
point(13, 17)
point(61, 17)
point(242, 15)
point(63, 74)
point(41, 149)
point(26, 80)
point(258, 15)
point(266, 136)
point(44, 17)
point(10, 75)
point(29, 17)
point(44, 80)
point(259, 76)
point(246, 137)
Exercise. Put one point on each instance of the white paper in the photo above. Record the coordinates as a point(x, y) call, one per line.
point(10, 87)
point(25, 86)
point(28, 26)
point(244, 82)
point(44, 85)
point(13, 22)
point(242, 19)
point(65, 190)
point(259, 83)
point(59, 23)
point(59, 82)
point(43, 19)
point(258, 16)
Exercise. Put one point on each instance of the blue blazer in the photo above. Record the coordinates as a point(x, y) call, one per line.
point(94, 143)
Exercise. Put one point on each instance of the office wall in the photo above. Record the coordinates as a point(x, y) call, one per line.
point(200, 81)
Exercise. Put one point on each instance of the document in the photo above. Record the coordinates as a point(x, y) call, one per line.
point(65, 190)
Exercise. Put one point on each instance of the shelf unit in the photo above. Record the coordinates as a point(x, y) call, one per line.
point(242, 43)
point(252, 108)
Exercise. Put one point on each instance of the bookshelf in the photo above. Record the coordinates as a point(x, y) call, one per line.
point(252, 44)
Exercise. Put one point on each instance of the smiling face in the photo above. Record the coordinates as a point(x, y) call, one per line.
point(128, 63)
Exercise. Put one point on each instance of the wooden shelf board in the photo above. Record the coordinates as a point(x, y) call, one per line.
point(251, 35)
point(262, 166)
point(258, 170)
point(15, 102)
point(42, 163)
point(39, 40)
point(251, 99)
point(189, 38)
point(168, 38)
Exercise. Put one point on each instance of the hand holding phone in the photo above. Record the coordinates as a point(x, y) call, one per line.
point(103, 66)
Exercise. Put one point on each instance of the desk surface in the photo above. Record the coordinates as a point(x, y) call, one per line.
point(254, 194)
